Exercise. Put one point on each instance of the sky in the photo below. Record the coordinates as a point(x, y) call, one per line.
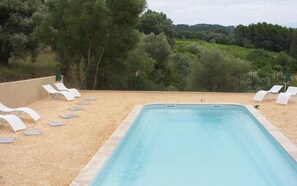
point(228, 12)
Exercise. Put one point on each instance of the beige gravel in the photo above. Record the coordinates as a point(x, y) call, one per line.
point(58, 155)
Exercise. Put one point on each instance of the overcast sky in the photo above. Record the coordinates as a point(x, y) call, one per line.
point(228, 12)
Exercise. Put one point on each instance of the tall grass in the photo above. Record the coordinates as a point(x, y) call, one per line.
point(25, 69)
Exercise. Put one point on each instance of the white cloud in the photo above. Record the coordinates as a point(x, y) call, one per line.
point(228, 12)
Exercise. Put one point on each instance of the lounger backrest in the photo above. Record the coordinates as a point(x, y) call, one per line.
point(276, 88)
point(60, 86)
point(49, 89)
point(15, 122)
point(4, 108)
point(292, 90)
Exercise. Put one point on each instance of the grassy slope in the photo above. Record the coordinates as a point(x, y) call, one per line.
point(229, 50)
point(232, 51)
point(25, 69)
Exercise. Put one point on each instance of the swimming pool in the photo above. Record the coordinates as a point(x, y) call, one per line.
point(197, 145)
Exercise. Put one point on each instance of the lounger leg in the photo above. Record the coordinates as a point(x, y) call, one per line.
point(18, 113)
point(54, 96)
point(294, 99)
point(49, 96)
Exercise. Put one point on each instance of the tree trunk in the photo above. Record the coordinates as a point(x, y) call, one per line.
point(4, 58)
point(97, 65)
point(97, 68)
point(78, 72)
point(88, 61)
point(4, 55)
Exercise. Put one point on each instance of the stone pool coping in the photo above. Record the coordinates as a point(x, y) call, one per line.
point(96, 163)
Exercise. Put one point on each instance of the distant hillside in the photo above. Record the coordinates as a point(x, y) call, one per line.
point(204, 28)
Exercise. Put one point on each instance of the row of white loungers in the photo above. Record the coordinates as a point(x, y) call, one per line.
point(17, 124)
point(13, 120)
point(69, 94)
point(282, 98)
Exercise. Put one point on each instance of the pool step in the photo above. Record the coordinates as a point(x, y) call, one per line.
point(217, 106)
point(170, 106)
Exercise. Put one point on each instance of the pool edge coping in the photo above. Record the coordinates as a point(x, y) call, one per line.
point(87, 174)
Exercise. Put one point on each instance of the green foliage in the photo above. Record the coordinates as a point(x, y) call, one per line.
point(122, 34)
point(206, 32)
point(73, 29)
point(285, 61)
point(158, 49)
point(98, 43)
point(139, 68)
point(293, 47)
point(204, 28)
point(261, 58)
point(95, 32)
point(23, 69)
point(269, 67)
point(16, 29)
point(229, 50)
point(180, 65)
point(132, 73)
point(262, 35)
point(266, 68)
point(215, 72)
point(157, 23)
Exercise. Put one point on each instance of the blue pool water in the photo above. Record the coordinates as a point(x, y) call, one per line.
point(197, 145)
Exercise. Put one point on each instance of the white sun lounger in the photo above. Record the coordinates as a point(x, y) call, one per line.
point(15, 122)
point(261, 94)
point(73, 91)
point(26, 110)
point(283, 98)
point(53, 93)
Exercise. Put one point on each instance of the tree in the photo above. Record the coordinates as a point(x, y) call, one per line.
point(16, 29)
point(158, 49)
point(95, 32)
point(285, 61)
point(180, 65)
point(262, 35)
point(155, 22)
point(215, 72)
point(139, 68)
point(76, 30)
point(123, 35)
point(293, 47)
